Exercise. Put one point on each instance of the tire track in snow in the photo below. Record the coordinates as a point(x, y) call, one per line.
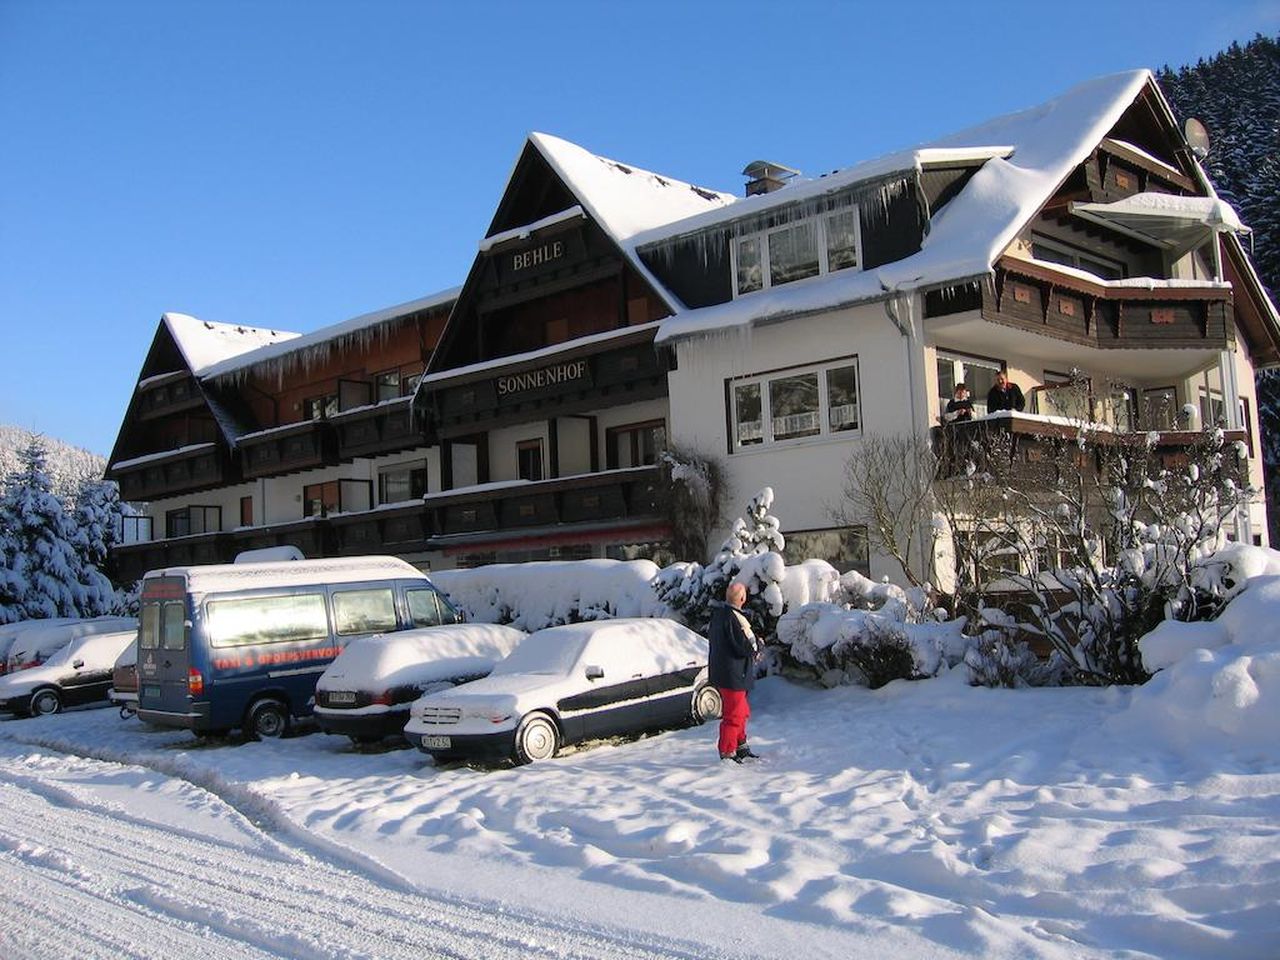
point(251, 897)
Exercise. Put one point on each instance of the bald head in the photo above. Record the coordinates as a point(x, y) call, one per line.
point(736, 594)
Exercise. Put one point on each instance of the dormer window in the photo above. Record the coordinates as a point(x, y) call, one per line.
point(796, 251)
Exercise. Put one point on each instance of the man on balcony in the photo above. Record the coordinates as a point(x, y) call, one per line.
point(1004, 395)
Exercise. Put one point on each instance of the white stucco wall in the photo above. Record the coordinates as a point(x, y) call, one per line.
point(806, 475)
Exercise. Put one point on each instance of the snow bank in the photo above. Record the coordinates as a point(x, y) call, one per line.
point(532, 596)
point(1218, 685)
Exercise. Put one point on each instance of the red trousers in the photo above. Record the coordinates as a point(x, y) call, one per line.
point(734, 711)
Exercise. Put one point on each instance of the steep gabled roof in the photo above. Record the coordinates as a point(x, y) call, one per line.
point(1031, 153)
point(204, 344)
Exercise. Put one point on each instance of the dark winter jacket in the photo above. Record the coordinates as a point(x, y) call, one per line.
point(1010, 398)
point(732, 661)
point(958, 409)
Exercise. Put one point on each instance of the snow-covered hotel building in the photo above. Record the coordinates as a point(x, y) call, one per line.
point(611, 311)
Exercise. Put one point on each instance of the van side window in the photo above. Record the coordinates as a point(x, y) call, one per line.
point(149, 635)
point(234, 623)
point(364, 611)
point(173, 634)
point(423, 609)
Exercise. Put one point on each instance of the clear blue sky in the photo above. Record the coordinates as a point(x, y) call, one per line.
point(293, 164)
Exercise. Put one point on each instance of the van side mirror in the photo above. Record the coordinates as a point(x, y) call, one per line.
point(77, 665)
point(595, 673)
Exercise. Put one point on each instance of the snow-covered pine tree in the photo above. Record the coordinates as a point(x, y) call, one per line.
point(750, 554)
point(1236, 94)
point(96, 521)
point(45, 574)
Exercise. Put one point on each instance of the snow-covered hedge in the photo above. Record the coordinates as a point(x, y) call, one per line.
point(532, 596)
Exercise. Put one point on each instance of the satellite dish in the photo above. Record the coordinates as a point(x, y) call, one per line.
point(1197, 137)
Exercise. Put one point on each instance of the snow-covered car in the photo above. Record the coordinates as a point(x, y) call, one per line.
point(567, 684)
point(10, 632)
point(79, 673)
point(365, 694)
point(35, 645)
point(123, 692)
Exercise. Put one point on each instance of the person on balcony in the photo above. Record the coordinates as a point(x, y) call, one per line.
point(1005, 395)
point(960, 406)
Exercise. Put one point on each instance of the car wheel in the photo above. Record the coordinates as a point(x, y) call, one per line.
point(536, 739)
point(268, 720)
point(706, 704)
point(45, 702)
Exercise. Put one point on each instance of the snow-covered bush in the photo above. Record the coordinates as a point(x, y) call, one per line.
point(532, 596)
point(998, 656)
point(751, 555)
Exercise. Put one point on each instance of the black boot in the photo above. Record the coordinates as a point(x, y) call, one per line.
point(744, 753)
point(735, 757)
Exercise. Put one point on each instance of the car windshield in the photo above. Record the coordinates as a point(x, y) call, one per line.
point(547, 651)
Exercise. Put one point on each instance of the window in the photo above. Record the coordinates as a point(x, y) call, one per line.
point(386, 386)
point(529, 459)
point(1159, 408)
point(635, 445)
point(246, 511)
point(845, 548)
point(1055, 251)
point(192, 520)
point(320, 499)
point(1213, 409)
point(287, 619)
point(976, 373)
point(424, 610)
point(795, 404)
point(796, 251)
point(149, 634)
point(173, 624)
point(364, 611)
point(405, 481)
point(320, 408)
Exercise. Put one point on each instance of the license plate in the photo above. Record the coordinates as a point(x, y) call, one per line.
point(151, 692)
point(437, 743)
point(342, 696)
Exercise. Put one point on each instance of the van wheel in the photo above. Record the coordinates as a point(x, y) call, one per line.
point(536, 738)
point(268, 720)
point(45, 703)
point(706, 704)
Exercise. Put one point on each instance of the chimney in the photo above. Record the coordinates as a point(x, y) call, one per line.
point(766, 177)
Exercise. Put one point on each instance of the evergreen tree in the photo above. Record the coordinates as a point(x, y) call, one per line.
point(97, 521)
point(45, 574)
point(1236, 94)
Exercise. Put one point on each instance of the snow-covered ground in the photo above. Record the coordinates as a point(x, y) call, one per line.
point(922, 819)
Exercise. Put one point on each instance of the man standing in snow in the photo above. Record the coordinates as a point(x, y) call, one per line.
point(731, 668)
point(1004, 395)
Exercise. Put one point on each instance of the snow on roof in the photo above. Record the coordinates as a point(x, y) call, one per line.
point(226, 577)
point(970, 232)
point(522, 233)
point(205, 344)
point(324, 338)
point(624, 200)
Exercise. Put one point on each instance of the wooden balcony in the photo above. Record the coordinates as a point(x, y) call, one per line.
point(168, 394)
point(287, 449)
point(1066, 305)
point(592, 498)
point(393, 528)
point(311, 535)
point(377, 429)
point(1043, 448)
point(199, 466)
point(135, 559)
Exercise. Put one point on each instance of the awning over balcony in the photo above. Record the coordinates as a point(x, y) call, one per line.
point(1179, 224)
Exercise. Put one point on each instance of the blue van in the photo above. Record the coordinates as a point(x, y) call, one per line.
point(242, 645)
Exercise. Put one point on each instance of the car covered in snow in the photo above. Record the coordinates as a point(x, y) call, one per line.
point(123, 692)
point(365, 694)
point(567, 684)
point(34, 644)
point(77, 674)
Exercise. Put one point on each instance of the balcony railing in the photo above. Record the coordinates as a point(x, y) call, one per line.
point(1066, 304)
point(1047, 446)
point(381, 428)
point(170, 393)
point(287, 449)
point(195, 467)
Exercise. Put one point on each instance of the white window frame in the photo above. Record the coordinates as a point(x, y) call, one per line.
point(825, 433)
point(819, 222)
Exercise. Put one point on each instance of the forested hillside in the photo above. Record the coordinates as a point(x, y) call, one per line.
point(68, 466)
point(1236, 94)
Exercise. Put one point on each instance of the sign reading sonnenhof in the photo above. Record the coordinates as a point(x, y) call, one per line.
point(551, 376)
